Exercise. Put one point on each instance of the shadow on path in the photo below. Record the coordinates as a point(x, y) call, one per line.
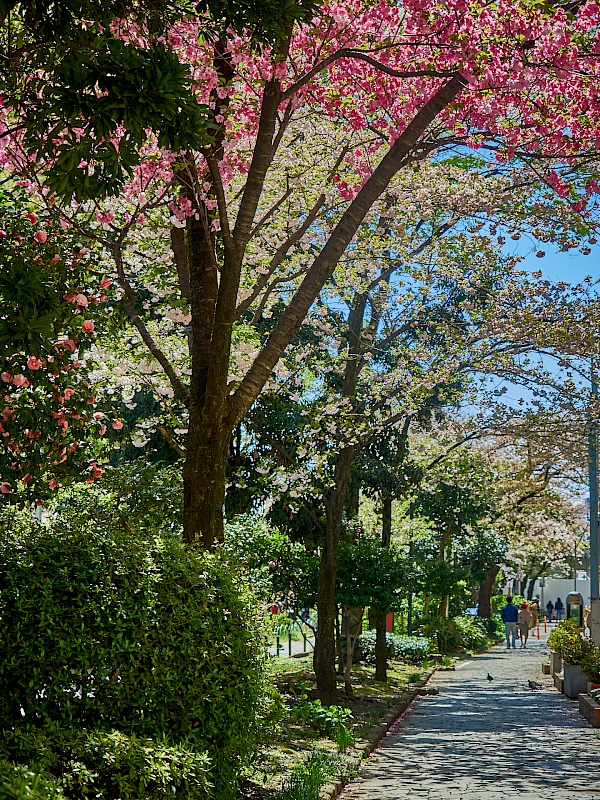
point(480, 740)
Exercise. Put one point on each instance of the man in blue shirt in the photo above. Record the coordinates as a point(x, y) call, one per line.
point(510, 615)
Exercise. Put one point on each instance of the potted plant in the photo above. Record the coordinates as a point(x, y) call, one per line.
point(573, 649)
point(591, 668)
point(589, 707)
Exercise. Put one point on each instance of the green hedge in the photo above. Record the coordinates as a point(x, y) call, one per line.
point(412, 649)
point(107, 629)
point(109, 765)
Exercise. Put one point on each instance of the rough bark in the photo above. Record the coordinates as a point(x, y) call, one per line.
point(486, 589)
point(380, 648)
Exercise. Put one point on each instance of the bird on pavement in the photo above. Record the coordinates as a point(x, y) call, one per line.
point(490, 677)
point(535, 685)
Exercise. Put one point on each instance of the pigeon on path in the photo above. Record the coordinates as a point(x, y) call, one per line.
point(490, 677)
point(535, 685)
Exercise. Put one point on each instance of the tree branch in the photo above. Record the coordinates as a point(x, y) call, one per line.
point(326, 262)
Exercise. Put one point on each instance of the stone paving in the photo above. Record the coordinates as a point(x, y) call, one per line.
point(487, 740)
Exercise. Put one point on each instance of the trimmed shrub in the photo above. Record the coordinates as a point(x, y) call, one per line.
point(110, 765)
point(104, 629)
point(412, 649)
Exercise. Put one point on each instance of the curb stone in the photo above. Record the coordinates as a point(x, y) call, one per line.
point(364, 747)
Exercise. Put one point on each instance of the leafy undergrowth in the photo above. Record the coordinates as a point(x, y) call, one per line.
point(313, 743)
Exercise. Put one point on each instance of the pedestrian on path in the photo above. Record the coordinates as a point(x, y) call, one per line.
point(523, 621)
point(535, 614)
point(510, 617)
point(549, 610)
point(559, 608)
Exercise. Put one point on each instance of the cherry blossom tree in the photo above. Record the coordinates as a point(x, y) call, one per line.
point(402, 82)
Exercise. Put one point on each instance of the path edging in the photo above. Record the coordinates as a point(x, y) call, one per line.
point(364, 747)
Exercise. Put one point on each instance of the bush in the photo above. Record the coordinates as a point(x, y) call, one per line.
point(104, 629)
point(590, 665)
point(111, 765)
point(460, 633)
point(567, 641)
point(19, 782)
point(412, 649)
point(499, 601)
point(325, 719)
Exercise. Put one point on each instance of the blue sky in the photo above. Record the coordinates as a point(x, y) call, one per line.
point(571, 267)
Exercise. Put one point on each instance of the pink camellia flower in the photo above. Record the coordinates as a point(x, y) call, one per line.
point(105, 283)
point(20, 380)
point(102, 430)
point(40, 236)
point(117, 424)
point(31, 217)
point(26, 479)
point(5, 487)
point(69, 393)
point(98, 472)
point(33, 362)
point(82, 300)
point(98, 415)
point(3, 234)
point(6, 377)
point(53, 483)
point(88, 326)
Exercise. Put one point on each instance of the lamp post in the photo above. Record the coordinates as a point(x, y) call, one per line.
point(594, 548)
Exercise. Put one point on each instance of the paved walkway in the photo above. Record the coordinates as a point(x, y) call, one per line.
point(487, 740)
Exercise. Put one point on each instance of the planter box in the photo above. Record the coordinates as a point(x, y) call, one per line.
point(591, 686)
point(545, 669)
point(556, 663)
point(590, 710)
point(559, 682)
point(575, 681)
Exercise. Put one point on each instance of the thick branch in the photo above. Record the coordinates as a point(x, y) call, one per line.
point(325, 264)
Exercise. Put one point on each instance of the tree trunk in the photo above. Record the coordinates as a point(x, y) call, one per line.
point(531, 587)
point(381, 649)
point(324, 655)
point(386, 521)
point(445, 602)
point(204, 484)
point(445, 607)
point(486, 588)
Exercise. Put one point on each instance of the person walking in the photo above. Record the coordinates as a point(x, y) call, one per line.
point(549, 610)
point(559, 608)
point(510, 617)
point(535, 614)
point(523, 622)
